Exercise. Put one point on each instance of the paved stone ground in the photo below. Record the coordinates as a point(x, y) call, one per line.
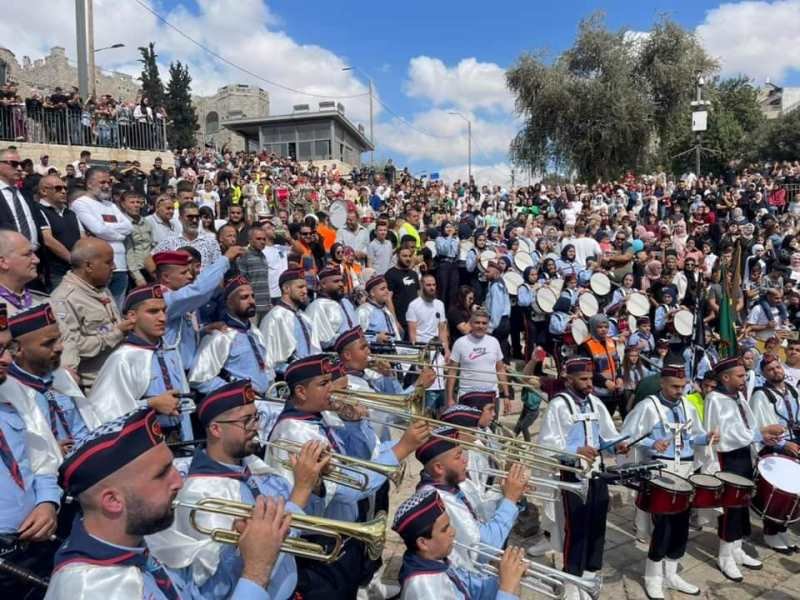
point(624, 557)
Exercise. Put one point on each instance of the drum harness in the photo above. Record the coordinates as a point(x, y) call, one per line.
point(676, 429)
point(774, 395)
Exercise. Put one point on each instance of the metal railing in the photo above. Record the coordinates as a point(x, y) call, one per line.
point(77, 127)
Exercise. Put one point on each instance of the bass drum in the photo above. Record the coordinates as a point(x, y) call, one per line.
point(637, 304)
point(545, 300)
point(579, 331)
point(683, 322)
point(485, 258)
point(522, 260)
point(777, 489)
point(588, 305)
point(512, 280)
point(600, 284)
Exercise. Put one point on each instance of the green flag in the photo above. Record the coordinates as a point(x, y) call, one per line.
point(727, 330)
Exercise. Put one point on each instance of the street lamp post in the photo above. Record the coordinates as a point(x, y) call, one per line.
point(469, 142)
point(371, 130)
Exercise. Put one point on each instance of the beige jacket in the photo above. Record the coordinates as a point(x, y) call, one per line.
point(88, 320)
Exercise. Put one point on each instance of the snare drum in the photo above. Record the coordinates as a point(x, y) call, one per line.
point(512, 280)
point(737, 490)
point(337, 214)
point(588, 305)
point(600, 284)
point(522, 260)
point(637, 304)
point(545, 299)
point(707, 491)
point(777, 483)
point(579, 332)
point(683, 322)
point(665, 494)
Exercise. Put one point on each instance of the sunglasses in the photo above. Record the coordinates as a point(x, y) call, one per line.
point(192, 217)
point(11, 163)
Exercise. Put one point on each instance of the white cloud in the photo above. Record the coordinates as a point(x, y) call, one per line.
point(448, 143)
point(469, 85)
point(260, 48)
point(484, 174)
point(758, 39)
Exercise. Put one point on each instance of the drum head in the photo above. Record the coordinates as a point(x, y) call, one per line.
point(464, 246)
point(631, 323)
point(524, 246)
point(545, 299)
point(431, 245)
point(637, 304)
point(522, 260)
point(707, 481)
point(337, 214)
point(683, 322)
point(513, 280)
point(734, 479)
point(588, 305)
point(556, 285)
point(671, 481)
point(600, 284)
point(485, 258)
point(580, 331)
point(782, 472)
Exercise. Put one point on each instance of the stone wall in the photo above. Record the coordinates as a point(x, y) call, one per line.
point(54, 70)
point(61, 155)
point(235, 101)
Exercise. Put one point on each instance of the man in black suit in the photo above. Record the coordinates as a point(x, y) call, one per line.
point(17, 213)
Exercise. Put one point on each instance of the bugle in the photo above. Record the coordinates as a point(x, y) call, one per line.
point(580, 488)
point(342, 465)
point(515, 449)
point(371, 533)
point(538, 577)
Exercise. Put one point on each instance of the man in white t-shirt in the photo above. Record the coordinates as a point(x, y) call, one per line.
point(584, 246)
point(426, 320)
point(277, 261)
point(480, 360)
point(791, 369)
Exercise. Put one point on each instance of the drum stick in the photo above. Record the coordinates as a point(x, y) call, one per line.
point(640, 438)
point(615, 442)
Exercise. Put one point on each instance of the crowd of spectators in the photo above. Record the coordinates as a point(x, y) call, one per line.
point(61, 117)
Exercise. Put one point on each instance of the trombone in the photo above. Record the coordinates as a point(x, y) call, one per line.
point(538, 577)
point(519, 450)
point(580, 488)
point(371, 533)
point(343, 465)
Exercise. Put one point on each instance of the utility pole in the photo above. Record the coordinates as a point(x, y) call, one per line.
point(699, 121)
point(84, 28)
point(469, 142)
point(371, 131)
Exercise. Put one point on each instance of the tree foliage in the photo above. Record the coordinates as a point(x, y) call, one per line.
point(612, 102)
point(152, 87)
point(782, 138)
point(180, 110)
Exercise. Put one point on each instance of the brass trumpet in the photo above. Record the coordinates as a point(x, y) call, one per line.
point(580, 488)
point(372, 533)
point(514, 450)
point(342, 465)
point(538, 577)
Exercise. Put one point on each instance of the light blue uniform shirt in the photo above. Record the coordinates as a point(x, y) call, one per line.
point(17, 503)
point(158, 386)
point(446, 247)
point(498, 303)
point(675, 414)
point(183, 302)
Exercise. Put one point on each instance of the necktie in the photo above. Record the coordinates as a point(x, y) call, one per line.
point(256, 351)
point(22, 220)
point(56, 415)
point(10, 462)
point(162, 363)
point(460, 495)
point(164, 583)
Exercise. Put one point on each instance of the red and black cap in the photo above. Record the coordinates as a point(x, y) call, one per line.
point(29, 320)
point(142, 294)
point(417, 514)
point(727, 364)
point(310, 366)
point(461, 414)
point(234, 283)
point(291, 275)
point(478, 399)
point(436, 446)
point(347, 338)
point(373, 282)
point(174, 257)
point(225, 398)
point(578, 365)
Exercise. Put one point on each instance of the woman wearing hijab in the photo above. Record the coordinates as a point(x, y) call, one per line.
point(566, 264)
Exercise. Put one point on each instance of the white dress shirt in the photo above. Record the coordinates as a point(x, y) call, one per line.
point(7, 192)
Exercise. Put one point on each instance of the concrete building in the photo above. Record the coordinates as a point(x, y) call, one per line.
point(54, 70)
point(232, 102)
point(305, 135)
point(775, 101)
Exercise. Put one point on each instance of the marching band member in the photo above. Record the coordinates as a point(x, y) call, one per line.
point(228, 469)
point(777, 403)
point(578, 422)
point(498, 304)
point(727, 411)
point(669, 296)
point(445, 469)
point(236, 352)
point(374, 316)
point(426, 574)
point(183, 295)
point(480, 358)
point(331, 313)
point(643, 337)
point(123, 477)
point(28, 487)
point(302, 420)
point(286, 330)
point(36, 386)
point(474, 486)
point(674, 428)
point(142, 371)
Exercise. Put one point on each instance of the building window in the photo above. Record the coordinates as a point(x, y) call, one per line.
point(304, 150)
point(322, 149)
point(212, 123)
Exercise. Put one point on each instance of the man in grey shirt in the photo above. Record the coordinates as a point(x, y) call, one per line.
point(379, 251)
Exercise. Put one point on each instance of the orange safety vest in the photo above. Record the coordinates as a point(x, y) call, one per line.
point(602, 354)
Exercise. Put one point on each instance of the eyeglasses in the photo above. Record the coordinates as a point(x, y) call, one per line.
point(191, 217)
point(248, 422)
point(59, 188)
point(11, 163)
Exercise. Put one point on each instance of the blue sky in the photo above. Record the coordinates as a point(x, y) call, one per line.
point(426, 59)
